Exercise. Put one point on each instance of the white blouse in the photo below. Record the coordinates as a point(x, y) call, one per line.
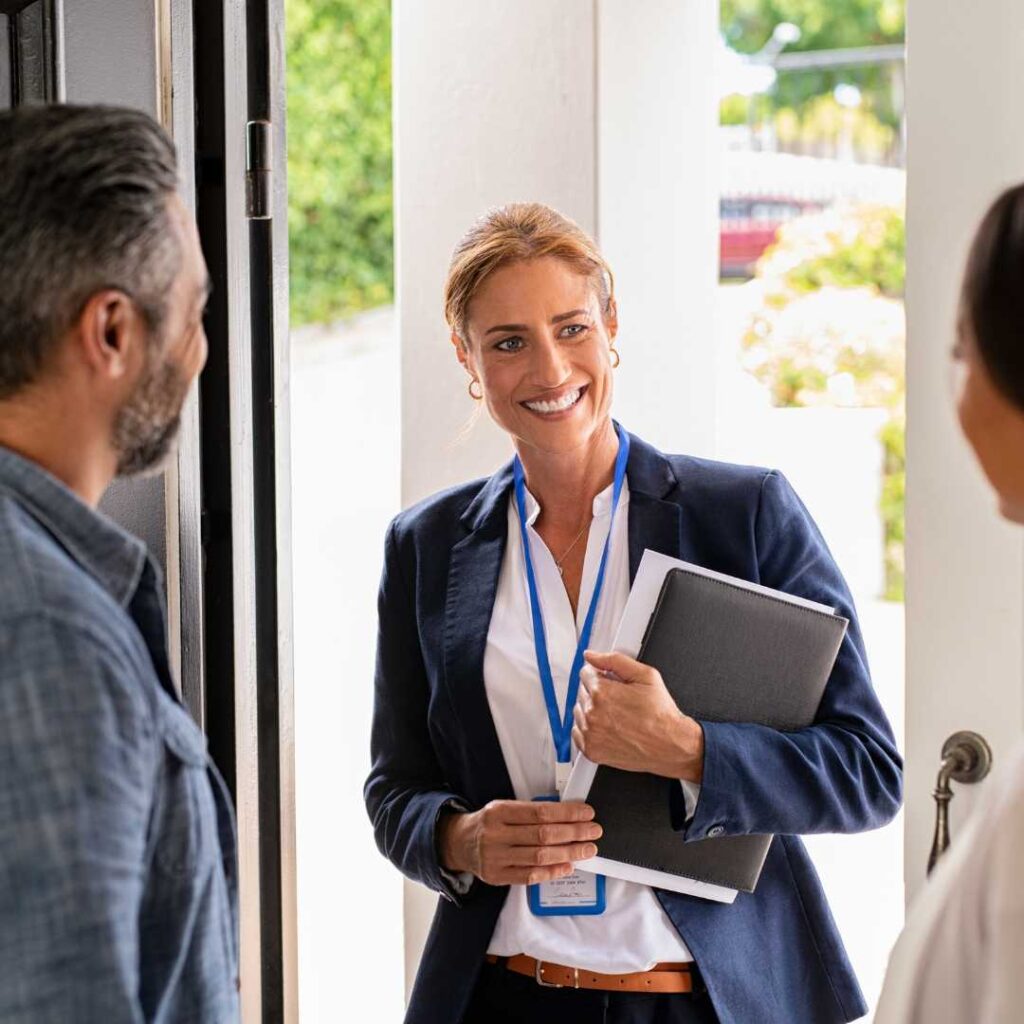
point(960, 959)
point(634, 932)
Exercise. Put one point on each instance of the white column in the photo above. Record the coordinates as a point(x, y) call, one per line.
point(603, 109)
point(658, 212)
point(494, 103)
point(965, 568)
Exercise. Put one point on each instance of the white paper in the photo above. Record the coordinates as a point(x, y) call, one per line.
point(657, 879)
point(643, 598)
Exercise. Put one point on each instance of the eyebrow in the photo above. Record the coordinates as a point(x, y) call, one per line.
point(523, 327)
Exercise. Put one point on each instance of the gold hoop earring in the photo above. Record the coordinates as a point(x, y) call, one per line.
point(472, 393)
point(614, 353)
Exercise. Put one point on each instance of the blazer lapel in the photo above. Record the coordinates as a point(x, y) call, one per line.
point(653, 522)
point(473, 572)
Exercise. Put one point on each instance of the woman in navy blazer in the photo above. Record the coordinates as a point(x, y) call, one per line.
point(533, 319)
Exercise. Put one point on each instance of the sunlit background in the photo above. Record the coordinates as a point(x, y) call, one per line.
point(810, 379)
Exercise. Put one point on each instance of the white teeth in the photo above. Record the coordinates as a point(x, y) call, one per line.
point(569, 399)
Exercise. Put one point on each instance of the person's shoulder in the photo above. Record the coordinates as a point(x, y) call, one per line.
point(437, 516)
point(719, 482)
point(1007, 807)
point(40, 577)
point(58, 624)
point(994, 834)
point(74, 666)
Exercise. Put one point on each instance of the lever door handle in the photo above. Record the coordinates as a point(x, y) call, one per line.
point(966, 757)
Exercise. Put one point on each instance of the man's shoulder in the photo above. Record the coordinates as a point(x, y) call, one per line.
point(39, 574)
point(53, 612)
point(77, 669)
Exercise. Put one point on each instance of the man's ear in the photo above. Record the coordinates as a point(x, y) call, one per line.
point(109, 333)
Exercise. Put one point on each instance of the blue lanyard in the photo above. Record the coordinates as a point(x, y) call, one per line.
point(561, 727)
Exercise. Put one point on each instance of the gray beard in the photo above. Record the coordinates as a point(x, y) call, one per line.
point(147, 426)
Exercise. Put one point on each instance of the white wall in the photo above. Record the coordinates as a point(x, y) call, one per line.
point(344, 389)
point(604, 109)
point(657, 173)
point(965, 569)
point(494, 103)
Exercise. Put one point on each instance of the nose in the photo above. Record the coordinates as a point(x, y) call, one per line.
point(551, 369)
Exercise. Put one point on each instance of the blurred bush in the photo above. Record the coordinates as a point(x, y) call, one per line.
point(339, 157)
point(830, 331)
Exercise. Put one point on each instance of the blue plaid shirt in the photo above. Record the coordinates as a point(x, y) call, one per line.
point(118, 882)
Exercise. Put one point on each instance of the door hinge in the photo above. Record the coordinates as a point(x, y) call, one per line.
point(258, 171)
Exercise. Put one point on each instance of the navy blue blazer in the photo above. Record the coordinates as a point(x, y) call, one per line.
point(774, 956)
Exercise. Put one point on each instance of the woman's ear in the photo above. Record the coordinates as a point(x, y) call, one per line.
point(611, 319)
point(462, 354)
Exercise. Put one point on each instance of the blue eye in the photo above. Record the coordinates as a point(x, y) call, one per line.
point(574, 330)
point(512, 344)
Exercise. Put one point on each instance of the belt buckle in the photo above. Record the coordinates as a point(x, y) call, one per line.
point(538, 970)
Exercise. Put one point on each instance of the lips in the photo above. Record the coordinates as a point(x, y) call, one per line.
point(558, 403)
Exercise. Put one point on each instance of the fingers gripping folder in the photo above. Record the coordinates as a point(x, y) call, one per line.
point(728, 650)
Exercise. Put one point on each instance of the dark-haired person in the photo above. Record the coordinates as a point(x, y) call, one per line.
point(961, 957)
point(117, 879)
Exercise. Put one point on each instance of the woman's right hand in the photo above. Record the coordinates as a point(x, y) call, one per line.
point(518, 842)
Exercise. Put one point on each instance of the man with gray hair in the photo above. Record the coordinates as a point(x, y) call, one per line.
point(118, 887)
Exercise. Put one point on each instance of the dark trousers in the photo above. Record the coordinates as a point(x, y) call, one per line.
point(503, 997)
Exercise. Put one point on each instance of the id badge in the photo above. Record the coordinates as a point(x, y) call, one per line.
point(579, 894)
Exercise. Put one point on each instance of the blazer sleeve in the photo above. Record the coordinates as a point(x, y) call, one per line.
point(841, 774)
point(406, 790)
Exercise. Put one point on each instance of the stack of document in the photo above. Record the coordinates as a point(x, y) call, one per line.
point(728, 650)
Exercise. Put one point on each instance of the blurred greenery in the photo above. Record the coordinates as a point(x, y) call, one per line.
point(871, 251)
point(339, 157)
point(830, 331)
point(825, 25)
point(893, 506)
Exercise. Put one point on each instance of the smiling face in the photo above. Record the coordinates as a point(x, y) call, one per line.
point(539, 345)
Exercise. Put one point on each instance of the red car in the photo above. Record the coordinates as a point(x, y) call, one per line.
point(749, 224)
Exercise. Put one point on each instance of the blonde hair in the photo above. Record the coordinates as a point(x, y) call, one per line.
point(512, 234)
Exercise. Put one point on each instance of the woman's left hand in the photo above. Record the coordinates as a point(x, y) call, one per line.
point(626, 718)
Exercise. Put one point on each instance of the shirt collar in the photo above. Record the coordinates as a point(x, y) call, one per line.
point(115, 558)
point(602, 504)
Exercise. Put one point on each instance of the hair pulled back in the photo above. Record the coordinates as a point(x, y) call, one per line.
point(512, 234)
point(992, 298)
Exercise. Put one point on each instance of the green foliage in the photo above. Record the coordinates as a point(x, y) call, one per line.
point(821, 126)
point(733, 110)
point(339, 157)
point(830, 331)
point(825, 25)
point(893, 503)
point(873, 254)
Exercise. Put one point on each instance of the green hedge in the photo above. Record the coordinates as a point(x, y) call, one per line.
point(339, 157)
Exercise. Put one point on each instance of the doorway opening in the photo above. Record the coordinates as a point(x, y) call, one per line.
point(811, 339)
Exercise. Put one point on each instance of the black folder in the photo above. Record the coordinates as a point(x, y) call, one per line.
point(726, 653)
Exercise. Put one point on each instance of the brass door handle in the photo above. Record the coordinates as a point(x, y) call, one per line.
point(966, 757)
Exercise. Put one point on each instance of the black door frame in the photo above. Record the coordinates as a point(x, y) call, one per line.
point(242, 216)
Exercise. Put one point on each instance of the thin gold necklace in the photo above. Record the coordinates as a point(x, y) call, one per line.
point(565, 554)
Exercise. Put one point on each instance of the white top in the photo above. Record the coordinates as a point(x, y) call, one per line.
point(960, 959)
point(634, 933)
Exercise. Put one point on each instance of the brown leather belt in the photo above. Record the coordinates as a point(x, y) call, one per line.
point(663, 978)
